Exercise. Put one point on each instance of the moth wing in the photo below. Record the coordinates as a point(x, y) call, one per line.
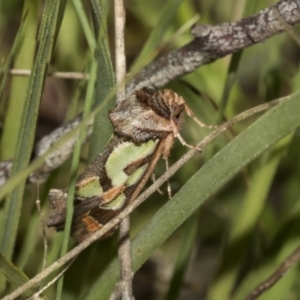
point(138, 122)
point(85, 225)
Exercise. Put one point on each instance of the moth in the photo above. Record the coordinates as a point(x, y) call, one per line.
point(145, 126)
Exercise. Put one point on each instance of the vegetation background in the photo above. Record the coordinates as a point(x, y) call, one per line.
point(222, 250)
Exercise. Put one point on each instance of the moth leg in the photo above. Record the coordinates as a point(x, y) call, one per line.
point(191, 115)
point(184, 143)
point(153, 178)
point(168, 181)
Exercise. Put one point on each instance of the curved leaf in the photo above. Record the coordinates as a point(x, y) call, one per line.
point(266, 131)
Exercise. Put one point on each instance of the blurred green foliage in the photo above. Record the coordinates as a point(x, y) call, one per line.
point(245, 230)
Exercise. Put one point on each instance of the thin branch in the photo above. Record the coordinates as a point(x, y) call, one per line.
point(123, 288)
point(120, 48)
point(288, 263)
point(64, 75)
point(210, 43)
point(38, 204)
point(287, 27)
point(132, 206)
point(37, 294)
point(214, 42)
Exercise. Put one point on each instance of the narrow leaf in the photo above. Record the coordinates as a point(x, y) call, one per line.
point(208, 180)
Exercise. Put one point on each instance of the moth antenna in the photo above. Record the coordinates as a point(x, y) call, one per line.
point(168, 181)
point(184, 143)
point(153, 178)
point(191, 115)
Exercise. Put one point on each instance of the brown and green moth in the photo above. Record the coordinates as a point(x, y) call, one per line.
point(145, 126)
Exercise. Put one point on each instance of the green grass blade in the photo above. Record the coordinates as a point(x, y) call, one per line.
point(155, 39)
point(249, 213)
point(102, 129)
point(27, 126)
point(238, 245)
point(23, 59)
point(229, 82)
point(30, 242)
point(85, 24)
point(184, 255)
point(74, 168)
point(232, 73)
point(265, 132)
point(5, 67)
point(14, 275)
point(272, 260)
point(11, 135)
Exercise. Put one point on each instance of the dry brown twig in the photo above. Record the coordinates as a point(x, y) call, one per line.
point(285, 266)
point(123, 289)
point(43, 225)
point(57, 277)
point(62, 75)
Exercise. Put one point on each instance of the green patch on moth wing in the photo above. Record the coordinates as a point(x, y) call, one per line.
point(136, 175)
point(115, 204)
point(89, 187)
point(124, 155)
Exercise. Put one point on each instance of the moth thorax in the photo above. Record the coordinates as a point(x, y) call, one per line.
point(175, 104)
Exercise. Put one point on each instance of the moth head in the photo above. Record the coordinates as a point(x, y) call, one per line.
point(175, 104)
point(57, 199)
